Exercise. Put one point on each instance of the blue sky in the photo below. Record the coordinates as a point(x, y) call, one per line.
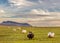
point(30, 10)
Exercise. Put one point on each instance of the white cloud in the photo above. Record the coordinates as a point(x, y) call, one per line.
point(2, 11)
point(46, 23)
point(39, 11)
point(13, 19)
point(5, 15)
point(40, 1)
point(21, 3)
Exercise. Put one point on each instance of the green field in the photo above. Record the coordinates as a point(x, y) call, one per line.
point(7, 35)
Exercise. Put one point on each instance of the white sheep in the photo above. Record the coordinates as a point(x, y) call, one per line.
point(19, 28)
point(14, 29)
point(8, 27)
point(24, 31)
point(51, 34)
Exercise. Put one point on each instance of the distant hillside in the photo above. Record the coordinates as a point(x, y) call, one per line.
point(12, 23)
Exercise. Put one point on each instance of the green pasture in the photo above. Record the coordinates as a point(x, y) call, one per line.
point(7, 35)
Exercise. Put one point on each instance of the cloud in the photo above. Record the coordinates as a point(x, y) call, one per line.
point(2, 11)
point(40, 1)
point(46, 23)
point(13, 19)
point(21, 3)
point(39, 11)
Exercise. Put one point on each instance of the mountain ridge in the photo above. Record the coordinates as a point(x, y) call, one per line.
point(13, 23)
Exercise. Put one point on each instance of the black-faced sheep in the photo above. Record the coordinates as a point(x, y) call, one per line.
point(30, 35)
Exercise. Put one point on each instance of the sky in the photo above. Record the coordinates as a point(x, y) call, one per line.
point(34, 12)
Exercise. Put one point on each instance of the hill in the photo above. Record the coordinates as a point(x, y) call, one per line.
point(12, 23)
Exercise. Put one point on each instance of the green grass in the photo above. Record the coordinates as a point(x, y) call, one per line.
point(7, 35)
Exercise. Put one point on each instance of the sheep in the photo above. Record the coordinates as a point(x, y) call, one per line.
point(14, 30)
point(19, 28)
point(8, 27)
point(51, 34)
point(24, 31)
point(30, 35)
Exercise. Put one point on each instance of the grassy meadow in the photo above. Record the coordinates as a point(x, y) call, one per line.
point(7, 35)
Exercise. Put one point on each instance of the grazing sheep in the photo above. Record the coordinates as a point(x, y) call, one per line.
point(14, 29)
point(19, 28)
point(24, 31)
point(30, 35)
point(51, 34)
point(8, 27)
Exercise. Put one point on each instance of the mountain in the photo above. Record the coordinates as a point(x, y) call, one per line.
point(12, 23)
